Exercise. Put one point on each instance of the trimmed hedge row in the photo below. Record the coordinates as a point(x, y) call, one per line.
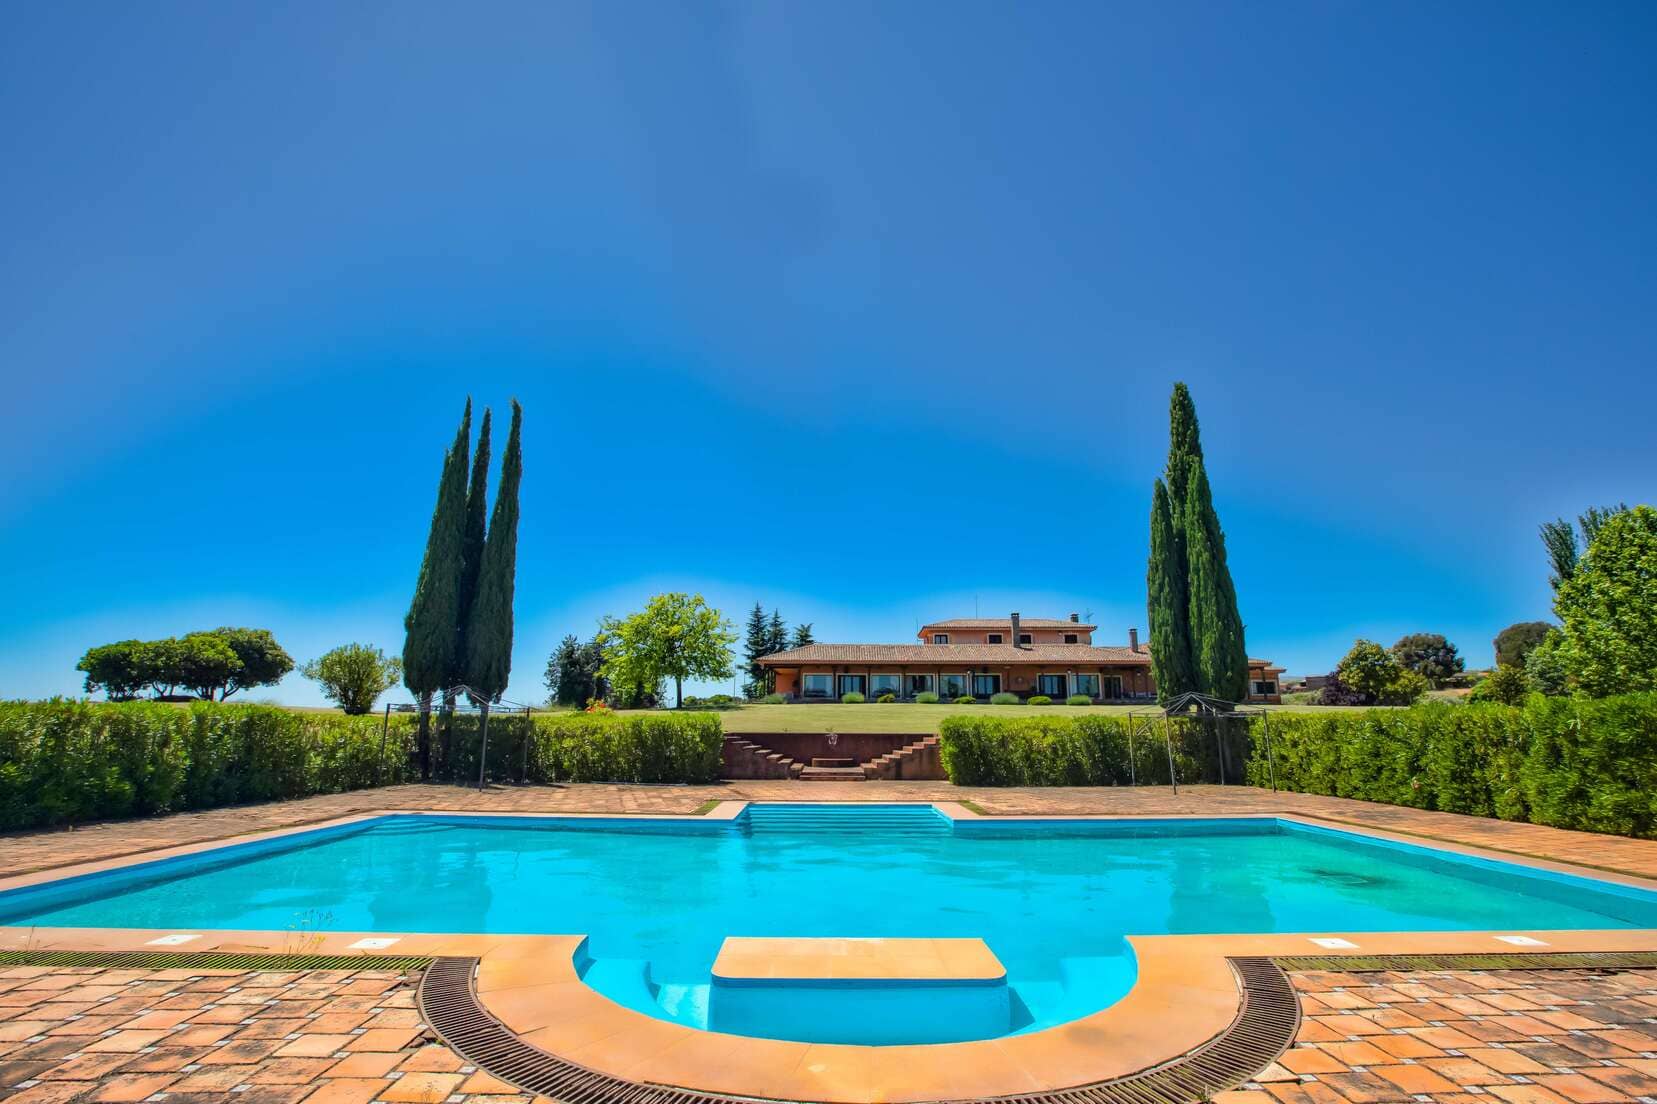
point(1565, 762)
point(63, 761)
point(1082, 751)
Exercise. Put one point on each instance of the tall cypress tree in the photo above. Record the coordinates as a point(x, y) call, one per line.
point(471, 544)
point(1216, 626)
point(1166, 586)
point(431, 625)
point(489, 623)
point(756, 643)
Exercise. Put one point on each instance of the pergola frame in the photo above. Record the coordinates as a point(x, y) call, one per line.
point(1202, 705)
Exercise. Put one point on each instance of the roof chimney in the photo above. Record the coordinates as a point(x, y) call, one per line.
point(1075, 617)
point(1015, 630)
point(1133, 640)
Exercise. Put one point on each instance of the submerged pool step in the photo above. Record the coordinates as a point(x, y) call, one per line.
point(797, 819)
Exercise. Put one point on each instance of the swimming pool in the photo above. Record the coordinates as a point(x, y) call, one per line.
point(1053, 899)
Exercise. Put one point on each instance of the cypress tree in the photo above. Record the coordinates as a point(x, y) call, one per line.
point(431, 625)
point(489, 623)
point(756, 643)
point(1166, 586)
point(1220, 657)
point(776, 634)
point(471, 544)
point(1184, 444)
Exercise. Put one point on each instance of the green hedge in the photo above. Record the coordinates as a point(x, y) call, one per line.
point(1565, 762)
point(1081, 751)
point(65, 761)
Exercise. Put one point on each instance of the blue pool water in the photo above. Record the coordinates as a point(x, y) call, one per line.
point(1053, 899)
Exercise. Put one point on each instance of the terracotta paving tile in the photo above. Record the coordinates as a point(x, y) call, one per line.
point(134, 1086)
point(423, 1087)
point(349, 1090)
point(1584, 1090)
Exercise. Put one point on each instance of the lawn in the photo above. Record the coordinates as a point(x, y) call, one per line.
point(902, 716)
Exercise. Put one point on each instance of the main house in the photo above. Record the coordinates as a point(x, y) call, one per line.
point(985, 656)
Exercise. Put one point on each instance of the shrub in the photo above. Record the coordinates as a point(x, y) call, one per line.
point(67, 761)
point(1040, 699)
point(1610, 620)
point(775, 699)
point(353, 676)
point(887, 698)
point(1549, 667)
point(1565, 762)
point(966, 699)
point(1003, 698)
point(1063, 751)
point(1507, 684)
point(926, 697)
point(1078, 699)
point(852, 697)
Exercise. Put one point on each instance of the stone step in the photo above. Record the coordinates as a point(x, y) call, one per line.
point(846, 762)
point(832, 774)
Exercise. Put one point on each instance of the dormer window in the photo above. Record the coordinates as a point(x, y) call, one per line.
point(1024, 638)
point(1070, 638)
point(993, 638)
point(940, 638)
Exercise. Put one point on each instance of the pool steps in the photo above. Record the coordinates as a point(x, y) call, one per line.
point(809, 819)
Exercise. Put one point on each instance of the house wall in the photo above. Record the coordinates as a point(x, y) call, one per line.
point(981, 636)
point(1015, 678)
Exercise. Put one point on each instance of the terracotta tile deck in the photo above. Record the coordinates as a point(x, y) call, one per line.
point(24, 852)
point(1504, 1037)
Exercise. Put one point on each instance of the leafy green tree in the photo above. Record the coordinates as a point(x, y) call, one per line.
point(205, 664)
point(1514, 643)
point(1429, 655)
point(802, 636)
point(1565, 544)
point(1549, 666)
point(757, 643)
point(120, 669)
point(433, 621)
point(676, 636)
point(1376, 677)
point(1216, 626)
point(263, 661)
point(1607, 606)
point(163, 663)
point(353, 676)
point(572, 676)
point(1168, 590)
point(488, 633)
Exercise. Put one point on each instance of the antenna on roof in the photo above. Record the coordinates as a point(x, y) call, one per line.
point(1088, 617)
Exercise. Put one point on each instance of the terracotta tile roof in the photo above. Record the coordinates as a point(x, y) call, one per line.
point(1006, 622)
point(954, 654)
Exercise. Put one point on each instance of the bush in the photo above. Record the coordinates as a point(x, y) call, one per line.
point(926, 697)
point(1069, 751)
point(1565, 762)
point(67, 761)
point(1507, 684)
point(1078, 699)
point(775, 699)
point(887, 698)
point(966, 699)
point(1003, 698)
point(1039, 699)
point(852, 697)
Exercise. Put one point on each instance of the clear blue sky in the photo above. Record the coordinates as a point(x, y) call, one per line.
point(867, 311)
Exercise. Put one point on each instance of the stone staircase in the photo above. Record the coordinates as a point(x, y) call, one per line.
point(746, 759)
point(832, 770)
point(921, 759)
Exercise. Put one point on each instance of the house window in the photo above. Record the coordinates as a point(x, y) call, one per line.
point(940, 638)
point(1024, 638)
point(1070, 638)
point(993, 638)
point(952, 686)
point(816, 686)
point(1113, 686)
point(1051, 685)
point(1087, 684)
point(919, 684)
point(853, 684)
point(885, 684)
point(985, 685)
point(1265, 688)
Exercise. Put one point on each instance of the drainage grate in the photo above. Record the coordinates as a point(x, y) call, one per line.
point(1539, 960)
point(211, 960)
point(1265, 1026)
